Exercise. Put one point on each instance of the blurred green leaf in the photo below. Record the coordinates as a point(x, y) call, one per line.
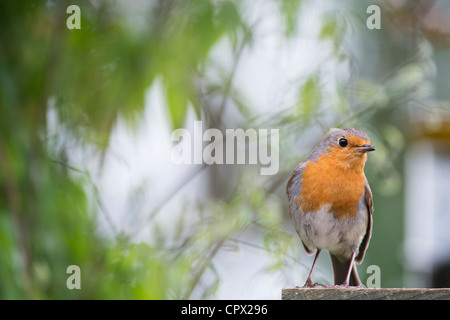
point(334, 27)
point(289, 10)
point(309, 97)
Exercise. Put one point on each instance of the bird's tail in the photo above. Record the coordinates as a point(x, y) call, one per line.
point(340, 270)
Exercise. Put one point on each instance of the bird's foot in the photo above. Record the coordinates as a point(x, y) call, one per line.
point(310, 284)
point(347, 286)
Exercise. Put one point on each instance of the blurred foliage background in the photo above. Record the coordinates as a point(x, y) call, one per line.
point(68, 96)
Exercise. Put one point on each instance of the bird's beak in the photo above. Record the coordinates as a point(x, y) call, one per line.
point(366, 148)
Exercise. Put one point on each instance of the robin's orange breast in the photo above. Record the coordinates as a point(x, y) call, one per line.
point(330, 180)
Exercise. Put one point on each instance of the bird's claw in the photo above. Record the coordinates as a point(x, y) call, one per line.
point(346, 286)
point(310, 284)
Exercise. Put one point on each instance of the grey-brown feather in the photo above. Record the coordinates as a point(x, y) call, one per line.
point(368, 201)
point(294, 187)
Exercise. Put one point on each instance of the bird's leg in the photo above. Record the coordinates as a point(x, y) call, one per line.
point(308, 283)
point(352, 260)
point(347, 278)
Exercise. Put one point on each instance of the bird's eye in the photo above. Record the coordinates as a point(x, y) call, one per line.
point(343, 142)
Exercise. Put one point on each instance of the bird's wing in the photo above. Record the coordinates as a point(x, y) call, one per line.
point(365, 242)
point(293, 188)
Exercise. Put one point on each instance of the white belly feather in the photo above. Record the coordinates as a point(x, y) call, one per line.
point(323, 230)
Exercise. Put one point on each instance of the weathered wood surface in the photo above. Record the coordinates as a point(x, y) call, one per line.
point(365, 294)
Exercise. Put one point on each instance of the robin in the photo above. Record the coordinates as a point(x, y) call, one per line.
point(330, 203)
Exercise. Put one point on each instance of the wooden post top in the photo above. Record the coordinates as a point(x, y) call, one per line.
point(365, 294)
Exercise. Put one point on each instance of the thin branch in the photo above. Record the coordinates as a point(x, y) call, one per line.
point(201, 270)
point(169, 196)
point(97, 196)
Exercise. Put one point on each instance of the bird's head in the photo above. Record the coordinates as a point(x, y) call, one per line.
point(346, 147)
